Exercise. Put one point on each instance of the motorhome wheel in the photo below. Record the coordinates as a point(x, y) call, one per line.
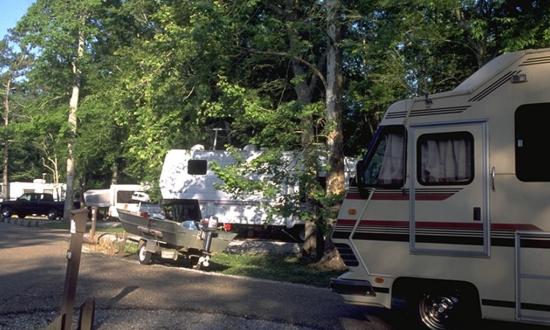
point(446, 309)
point(437, 311)
point(144, 256)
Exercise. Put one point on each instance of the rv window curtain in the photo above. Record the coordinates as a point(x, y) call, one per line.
point(445, 158)
point(386, 165)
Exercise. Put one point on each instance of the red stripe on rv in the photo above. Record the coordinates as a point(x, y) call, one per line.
point(402, 197)
point(437, 225)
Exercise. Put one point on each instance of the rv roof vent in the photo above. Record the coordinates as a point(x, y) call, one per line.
point(197, 147)
point(249, 148)
point(42, 181)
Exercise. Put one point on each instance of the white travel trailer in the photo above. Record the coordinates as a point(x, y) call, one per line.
point(451, 214)
point(186, 174)
point(39, 186)
point(118, 196)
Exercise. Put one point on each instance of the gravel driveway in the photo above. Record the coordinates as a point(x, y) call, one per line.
point(132, 296)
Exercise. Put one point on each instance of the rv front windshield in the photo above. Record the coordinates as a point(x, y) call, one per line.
point(384, 165)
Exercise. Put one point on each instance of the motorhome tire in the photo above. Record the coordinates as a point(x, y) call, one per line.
point(144, 256)
point(444, 309)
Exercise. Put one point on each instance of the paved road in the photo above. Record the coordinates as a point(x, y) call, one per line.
point(132, 296)
point(129, 295)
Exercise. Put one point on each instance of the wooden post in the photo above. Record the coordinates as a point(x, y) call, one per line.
point(87, 311)
point(57, 324)
point(78, 227)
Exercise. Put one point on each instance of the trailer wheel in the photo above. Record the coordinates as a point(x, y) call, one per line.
point(144, 256)
point(443, 309)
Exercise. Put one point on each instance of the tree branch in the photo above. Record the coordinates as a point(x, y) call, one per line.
point(312, 67)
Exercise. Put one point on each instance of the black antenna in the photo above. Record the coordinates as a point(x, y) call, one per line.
point(216, 130)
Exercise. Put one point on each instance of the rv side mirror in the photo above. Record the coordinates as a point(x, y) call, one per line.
point(353, 182)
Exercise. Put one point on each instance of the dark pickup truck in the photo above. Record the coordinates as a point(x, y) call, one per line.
point(33, 203)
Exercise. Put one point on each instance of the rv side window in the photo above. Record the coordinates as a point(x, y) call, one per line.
point(196, 167)
point(384, 165)
point(532, 161)
point(445, 158)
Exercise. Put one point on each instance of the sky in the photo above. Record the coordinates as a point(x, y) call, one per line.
point(10, 12)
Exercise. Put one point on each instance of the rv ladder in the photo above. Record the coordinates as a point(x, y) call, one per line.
point(524, 241)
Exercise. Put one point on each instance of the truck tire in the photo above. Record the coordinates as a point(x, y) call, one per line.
point(6, 212)
point(144, 256)
point(52, 215)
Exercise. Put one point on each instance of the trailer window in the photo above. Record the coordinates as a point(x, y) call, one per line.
point(384, 164)
point(196, 167)
point(531, 144)
point(445, 158)
point(124, 196)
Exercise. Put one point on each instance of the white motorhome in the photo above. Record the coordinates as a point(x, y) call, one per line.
point(186, 174)
point(118, 196)
point(452, 213)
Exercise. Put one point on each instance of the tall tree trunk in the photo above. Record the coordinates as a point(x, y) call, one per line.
point(335, 141)
point(5, 167)
point(303, 94)
point(73, 106)
point(335, 144)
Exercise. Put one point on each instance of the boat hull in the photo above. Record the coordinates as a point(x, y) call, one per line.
point(172, 233)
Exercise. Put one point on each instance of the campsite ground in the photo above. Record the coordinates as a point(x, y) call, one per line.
point(130, 295)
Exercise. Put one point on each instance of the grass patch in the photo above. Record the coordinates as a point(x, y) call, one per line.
point(131, 247)
point(276, 268)
point(287, 269)
point(113, 230)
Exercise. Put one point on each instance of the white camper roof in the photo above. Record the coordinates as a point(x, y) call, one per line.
point(488, 71)
point(493, 68)
point(477, 80)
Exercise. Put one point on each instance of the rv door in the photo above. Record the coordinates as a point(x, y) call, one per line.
point(448, 170)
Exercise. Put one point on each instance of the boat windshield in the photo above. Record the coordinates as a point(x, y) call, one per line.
point(384, 164)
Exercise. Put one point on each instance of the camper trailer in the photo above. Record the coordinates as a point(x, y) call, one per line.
point(186, 174)
point(451, 211)
point(118, 196)
point(37, 186)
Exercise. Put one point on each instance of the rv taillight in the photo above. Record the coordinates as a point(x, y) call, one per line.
point(144, 214)
point(227, 227)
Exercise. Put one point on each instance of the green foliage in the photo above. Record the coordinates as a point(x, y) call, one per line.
point(162, 74)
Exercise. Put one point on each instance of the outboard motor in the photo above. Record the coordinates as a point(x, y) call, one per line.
point(209, 227)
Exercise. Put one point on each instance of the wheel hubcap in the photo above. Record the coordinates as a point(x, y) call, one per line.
point(436, 311)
